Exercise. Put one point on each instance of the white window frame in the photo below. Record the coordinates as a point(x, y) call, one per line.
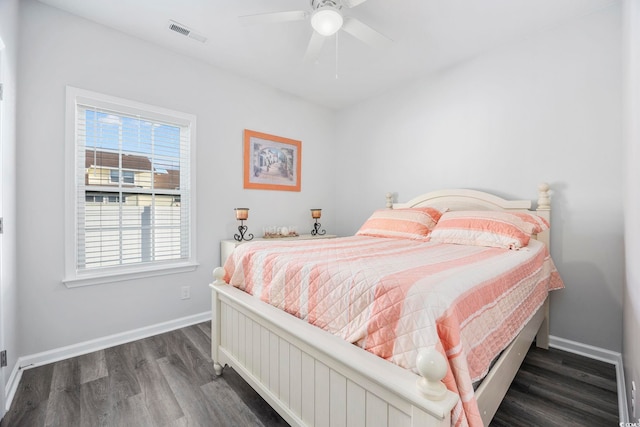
point(75, 278)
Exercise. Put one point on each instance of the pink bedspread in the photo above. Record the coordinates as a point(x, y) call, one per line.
point(394, 297)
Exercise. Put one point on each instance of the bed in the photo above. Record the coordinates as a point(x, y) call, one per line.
point(312, 377)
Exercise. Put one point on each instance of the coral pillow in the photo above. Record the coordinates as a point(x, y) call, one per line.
point(483, 228)
point(538, 222)
point(409, 223)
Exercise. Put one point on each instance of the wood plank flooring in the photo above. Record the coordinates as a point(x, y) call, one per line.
point(168, 380)
point(165, 380)
point(556, 388)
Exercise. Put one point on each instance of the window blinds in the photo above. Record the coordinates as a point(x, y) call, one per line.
point(133, 188)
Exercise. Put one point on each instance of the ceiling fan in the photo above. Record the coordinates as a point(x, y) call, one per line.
point(327, 18)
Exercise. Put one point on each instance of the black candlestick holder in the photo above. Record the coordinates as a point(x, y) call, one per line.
point(242, 229)
point(316, 229)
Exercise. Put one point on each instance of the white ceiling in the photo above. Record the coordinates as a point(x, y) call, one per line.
point(428, 35)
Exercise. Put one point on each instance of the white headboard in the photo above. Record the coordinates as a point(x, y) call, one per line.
point(463, 199)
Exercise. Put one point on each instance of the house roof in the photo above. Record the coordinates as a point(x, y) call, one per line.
point(108, 159)
point(168, 179)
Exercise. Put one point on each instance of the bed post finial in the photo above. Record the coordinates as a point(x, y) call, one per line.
point(218, 276)
point(389, 197)
point(544, 202)
point(432, 367)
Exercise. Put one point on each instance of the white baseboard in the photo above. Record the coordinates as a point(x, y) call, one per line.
point(12, 385)
point(602, 355)
point(50, 356)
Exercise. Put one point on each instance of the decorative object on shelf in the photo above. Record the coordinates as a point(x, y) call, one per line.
point(242, 214)
point(315, 214)
point(271, 162)
point(279, 232)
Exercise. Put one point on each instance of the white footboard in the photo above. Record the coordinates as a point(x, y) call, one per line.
point(311, 377)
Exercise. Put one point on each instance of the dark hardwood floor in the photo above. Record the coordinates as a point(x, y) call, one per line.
point(556, 388)
point(165, 380)
point(168, 380)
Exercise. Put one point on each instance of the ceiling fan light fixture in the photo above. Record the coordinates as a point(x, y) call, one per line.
point(327, 20)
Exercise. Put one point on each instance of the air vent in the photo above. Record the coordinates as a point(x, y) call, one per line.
point(174, 26)
point(182, 29)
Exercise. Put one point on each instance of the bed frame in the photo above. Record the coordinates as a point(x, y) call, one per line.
point(312, 378)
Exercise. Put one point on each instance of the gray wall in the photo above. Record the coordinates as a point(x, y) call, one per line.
point(631, 321)
point(546, 108)
point(9, 304)
point(59, 49)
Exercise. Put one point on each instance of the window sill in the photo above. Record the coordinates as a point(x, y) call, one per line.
point(99, 279)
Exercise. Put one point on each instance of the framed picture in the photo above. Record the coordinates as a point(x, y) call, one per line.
point(271, 162)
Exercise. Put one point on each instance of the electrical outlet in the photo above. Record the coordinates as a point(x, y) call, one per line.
point(186, 292)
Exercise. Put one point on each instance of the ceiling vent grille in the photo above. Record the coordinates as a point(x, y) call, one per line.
point(182, 29)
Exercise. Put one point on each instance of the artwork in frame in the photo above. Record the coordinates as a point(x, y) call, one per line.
point(271, 162)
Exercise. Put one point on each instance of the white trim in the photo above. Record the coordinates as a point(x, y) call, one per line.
point(3, 179)
point(585, 350)
point(74, 96)
point(12, 385)
point(602, 355)
point(54, 355)
point(136, 273)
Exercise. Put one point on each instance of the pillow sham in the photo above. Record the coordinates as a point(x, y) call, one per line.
point(406, 223)
point(540, 224)
point(483, 228)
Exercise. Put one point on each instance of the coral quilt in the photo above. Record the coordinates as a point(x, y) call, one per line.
point(394, 297)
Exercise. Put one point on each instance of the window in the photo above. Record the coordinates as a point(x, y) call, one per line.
point(128, 177)
point(130, 182)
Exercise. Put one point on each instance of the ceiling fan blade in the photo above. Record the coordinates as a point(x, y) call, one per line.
point(353, 3)
point(365, 33)
point(314, 47)
point(274, 18)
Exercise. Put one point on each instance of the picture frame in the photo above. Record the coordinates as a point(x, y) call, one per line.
point(271, 162)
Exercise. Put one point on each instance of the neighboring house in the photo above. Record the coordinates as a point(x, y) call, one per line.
point(111, 176)
point(127, 218)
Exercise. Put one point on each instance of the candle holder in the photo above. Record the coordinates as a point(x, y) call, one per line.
point(315, 214)
point(242, 214)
